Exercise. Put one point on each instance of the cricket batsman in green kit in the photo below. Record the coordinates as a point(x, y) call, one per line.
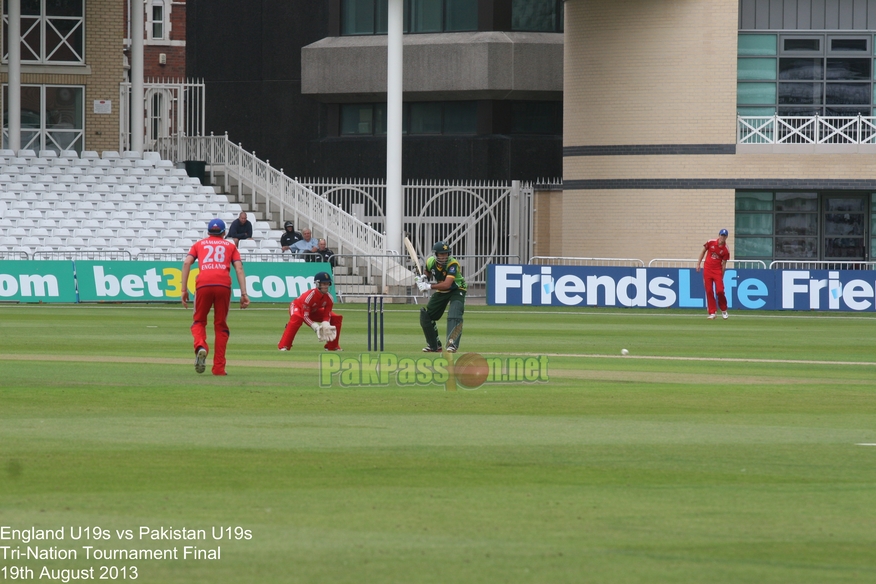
point(448, 289)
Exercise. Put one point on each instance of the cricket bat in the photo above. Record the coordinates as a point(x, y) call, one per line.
point(413, 253)
point(451, 374)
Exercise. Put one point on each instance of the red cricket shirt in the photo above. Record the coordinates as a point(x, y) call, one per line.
point(215, 256)
point(715, 255)
point(313, 306)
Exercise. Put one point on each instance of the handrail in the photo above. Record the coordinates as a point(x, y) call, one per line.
point(821, 265)
point(279, 191)
point(583, 261)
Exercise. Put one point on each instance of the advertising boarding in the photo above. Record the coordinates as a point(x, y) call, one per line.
point(581, 286)
point(37, 281)
point(143, 281)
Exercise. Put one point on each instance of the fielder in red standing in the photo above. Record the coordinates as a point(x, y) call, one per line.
point(215, 255)
point(716, 253)
point(314, 308)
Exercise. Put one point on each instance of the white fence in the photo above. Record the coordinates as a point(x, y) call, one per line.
point(806, 130)
point(481, 221)
point(173, 107)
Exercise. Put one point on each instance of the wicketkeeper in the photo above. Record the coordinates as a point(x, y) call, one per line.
point(314, 308)
point(449, 289)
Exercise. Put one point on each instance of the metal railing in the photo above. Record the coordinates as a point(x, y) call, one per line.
point(821, 265)
point(100, 255)
point(582, 261)
point(490, 218)
point(172, 106)
point(806, 129)
point(689, 263)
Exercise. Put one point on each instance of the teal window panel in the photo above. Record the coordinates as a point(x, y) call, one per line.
point(756, 69)
point(757, 45)
point(461, 117)
point(755, 93)
point(460, 15)
point(756, 111)
point(754, 224)
point(357, 119)
point(754, 247)
point(426, 15)
point(754, 201)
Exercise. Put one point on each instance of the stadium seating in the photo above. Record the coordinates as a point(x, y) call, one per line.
point(128, 202)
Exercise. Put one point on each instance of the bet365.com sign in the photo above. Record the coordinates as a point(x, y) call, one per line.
point(120, 281)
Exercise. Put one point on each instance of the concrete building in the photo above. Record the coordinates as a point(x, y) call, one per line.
point(655, 160)
point(303, 83)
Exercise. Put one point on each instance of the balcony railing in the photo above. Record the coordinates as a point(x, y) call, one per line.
point(806, 130)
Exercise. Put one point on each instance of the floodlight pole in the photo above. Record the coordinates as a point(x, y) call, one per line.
point(14, 105)
point(394, 100)
point(138, 109)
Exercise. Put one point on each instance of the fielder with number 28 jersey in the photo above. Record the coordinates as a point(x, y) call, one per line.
point(216, 256)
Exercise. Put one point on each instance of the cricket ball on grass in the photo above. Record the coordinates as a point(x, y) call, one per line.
point(471, 370)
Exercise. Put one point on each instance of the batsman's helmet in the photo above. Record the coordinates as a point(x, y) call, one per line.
point(216, 227)
point(441, 247)
point(322, 277)
point(288, 224)
point(723, 232)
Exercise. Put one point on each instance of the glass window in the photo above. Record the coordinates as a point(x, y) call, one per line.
point(460, 117)
point(847, 93)
point(369, 119)
point(52, 117)
point(804, 248)
point(536, 117)
point(754, 202)
point(754, 247)
point(425, 15)
point(797, 202)
point(420, 16)
point(536, 15)
point(460, 15)
point(848, 69)
point(156, 19)
point(796, 224)
point(52, 31)
point(848, 45)
point(756, 93)
point(756, 69)
point(756, 44)
point(802, 45)
point(795, 69)
point(800, 93)
point(357, 119)
point(357, 16)
point(756, 111)
point(425, 118)
point(754, 224)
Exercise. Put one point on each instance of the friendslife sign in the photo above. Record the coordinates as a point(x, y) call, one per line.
point(829, 290)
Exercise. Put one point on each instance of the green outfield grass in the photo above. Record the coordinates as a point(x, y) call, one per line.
point(726, 451)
